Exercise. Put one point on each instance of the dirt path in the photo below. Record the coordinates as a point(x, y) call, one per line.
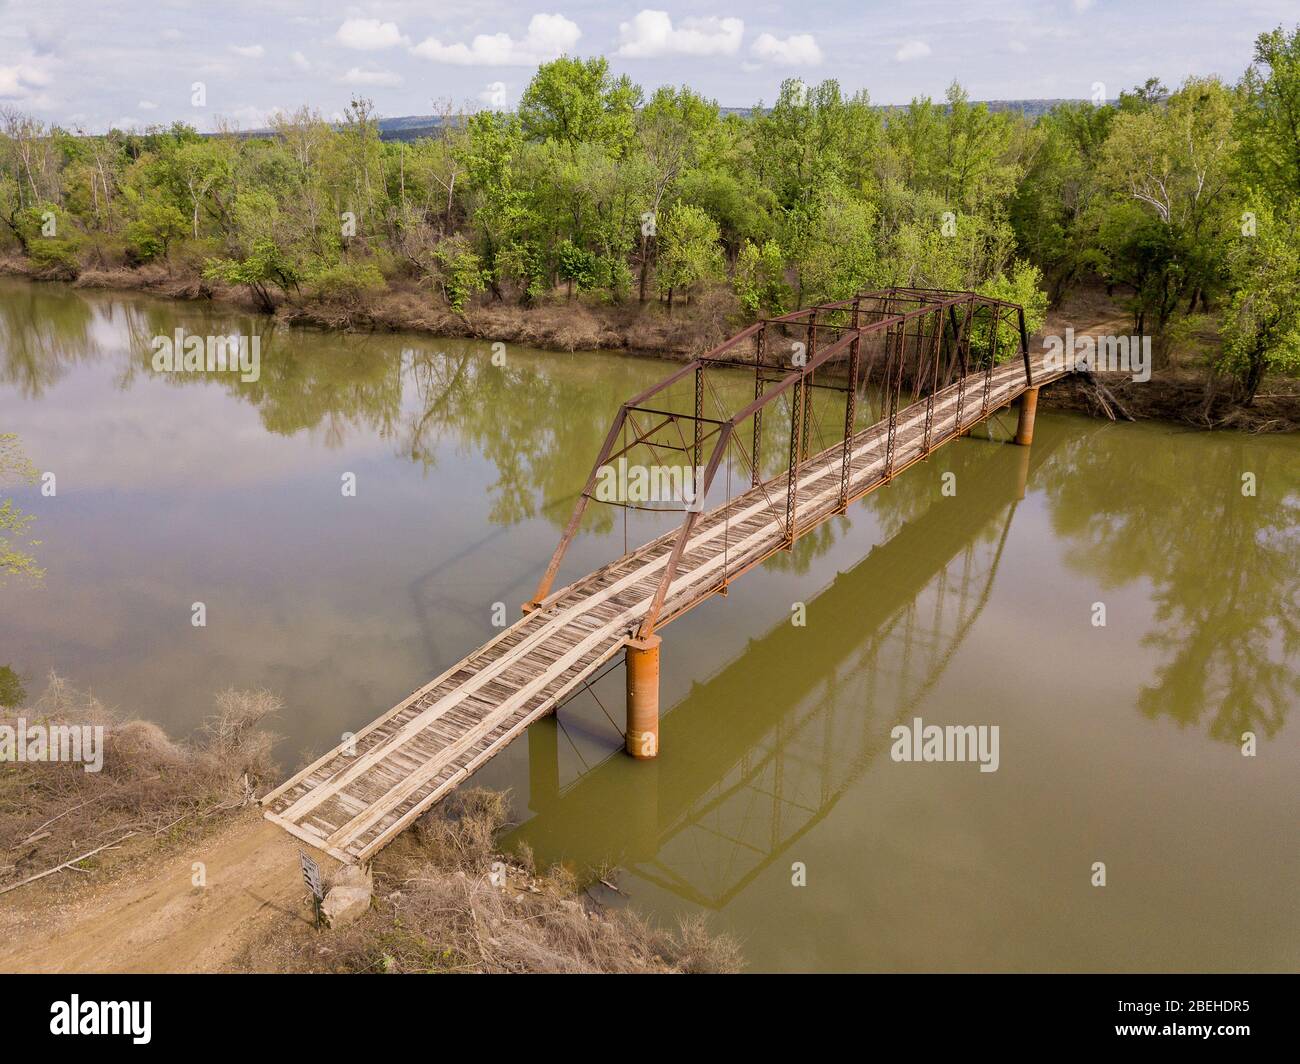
point(156, 919)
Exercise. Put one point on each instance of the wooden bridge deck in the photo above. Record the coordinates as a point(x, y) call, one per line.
point(357, 797)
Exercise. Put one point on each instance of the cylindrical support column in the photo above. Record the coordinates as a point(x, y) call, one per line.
point(1025, 426)
point(642, 657)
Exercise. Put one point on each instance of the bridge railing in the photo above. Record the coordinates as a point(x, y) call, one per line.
point(911, 343)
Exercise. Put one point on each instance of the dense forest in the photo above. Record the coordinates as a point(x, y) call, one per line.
point(1184, 203)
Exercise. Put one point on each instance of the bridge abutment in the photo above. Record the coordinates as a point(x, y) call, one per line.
point(642, 658)
point(1025, 425)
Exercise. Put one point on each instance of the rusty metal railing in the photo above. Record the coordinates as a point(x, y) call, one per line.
point(924, 339)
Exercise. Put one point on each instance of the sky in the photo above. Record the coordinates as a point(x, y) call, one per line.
point(91, 64)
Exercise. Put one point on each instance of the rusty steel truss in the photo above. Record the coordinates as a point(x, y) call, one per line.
point(901, 345)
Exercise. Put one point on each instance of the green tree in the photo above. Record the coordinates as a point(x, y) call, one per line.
point(156, 225)
point(194, 172)
point(1261, 328)
point(1270, 118)
point(263, 270)
point(759, 279)
point(1050, 208)
point(671, 131)
point(836, 254)
point(689, 250)
point(460, 273)
point(577, 101)
point(1173, 162)
point(489, 151)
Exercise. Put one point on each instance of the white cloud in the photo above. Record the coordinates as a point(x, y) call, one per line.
point(20, 82)
point(797, 50)
point(1018, 46)
point(912, 50)
point(299, 60)
point(548, 36)
point(651, 33)
point(147, 105)
point(494, 95)
point(369, 34)
point(248, 51)
point(357, 76)
point(1082, 5)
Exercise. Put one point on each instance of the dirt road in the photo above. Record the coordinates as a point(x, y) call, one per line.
point(155, 919)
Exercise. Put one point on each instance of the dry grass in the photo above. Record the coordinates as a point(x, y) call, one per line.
point(447, 901)
point(151, 790)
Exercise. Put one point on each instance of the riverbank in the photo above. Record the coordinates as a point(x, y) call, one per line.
point(100, 872)
point(1180, 390)
point(556, 325)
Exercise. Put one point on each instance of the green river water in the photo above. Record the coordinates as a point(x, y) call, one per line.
point(1119, 743)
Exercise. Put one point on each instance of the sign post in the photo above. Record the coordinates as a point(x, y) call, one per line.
point(311, 876)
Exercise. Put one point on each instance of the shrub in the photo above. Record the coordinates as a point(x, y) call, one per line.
point(152, 232)
point(460, 272)
point(346, 282)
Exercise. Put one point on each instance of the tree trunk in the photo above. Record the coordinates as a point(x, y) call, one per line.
point(1254, 377)
point(645, 267)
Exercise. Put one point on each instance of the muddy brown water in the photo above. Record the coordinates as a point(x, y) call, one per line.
point(1120, 744)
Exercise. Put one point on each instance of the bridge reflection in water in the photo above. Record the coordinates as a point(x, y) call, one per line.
point(745, 784)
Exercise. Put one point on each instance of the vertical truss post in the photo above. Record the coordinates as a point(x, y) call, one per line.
point(963, 361)
point(792, 476)
point(1024, 348)
point(699, 413)
point(956, 338)
point(893, 389)
point(756, 473)
point(850, 403)
point(934, 378)
point(808, 389)
point(993, 357)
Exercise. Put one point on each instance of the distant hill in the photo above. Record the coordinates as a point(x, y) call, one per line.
point(413, 127)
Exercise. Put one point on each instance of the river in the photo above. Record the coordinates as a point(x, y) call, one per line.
point(776, 807)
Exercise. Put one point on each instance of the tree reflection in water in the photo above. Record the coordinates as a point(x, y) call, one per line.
point(1133, 503)
point(1167, 508)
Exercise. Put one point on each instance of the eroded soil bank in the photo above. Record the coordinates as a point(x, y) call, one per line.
point(1179, 390)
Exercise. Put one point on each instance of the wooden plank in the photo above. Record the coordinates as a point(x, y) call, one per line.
point(440, 734)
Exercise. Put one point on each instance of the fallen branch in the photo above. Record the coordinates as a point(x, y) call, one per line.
point(66, 864)
point(1106, 398)
point(52, 819)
